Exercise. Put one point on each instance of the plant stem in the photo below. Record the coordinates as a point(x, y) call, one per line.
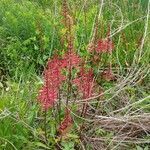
point(59, 107)
point(45, 127)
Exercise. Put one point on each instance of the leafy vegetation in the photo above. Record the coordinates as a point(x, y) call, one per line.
point(111, 38)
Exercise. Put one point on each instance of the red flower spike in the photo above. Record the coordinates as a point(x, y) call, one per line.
point(52, 81)
point(56, 62)
point(66, 124)
point(104, 46)
point(53, 72)
point(47, 97)
point(85, 83)
point(71, 59)
point(53, 78)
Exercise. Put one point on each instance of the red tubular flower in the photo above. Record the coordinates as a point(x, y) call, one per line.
point(56, 62)
point(66, 124)
point(52, 81)
point(104, 46)
point(47, 97)
point(71, 59)
point(85, 83)
point(53, 77)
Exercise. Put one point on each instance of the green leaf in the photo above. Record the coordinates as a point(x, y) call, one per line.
point(146, 148)
point(39, 144)
point(139, 148)
point(68, 145)
point(73, 136)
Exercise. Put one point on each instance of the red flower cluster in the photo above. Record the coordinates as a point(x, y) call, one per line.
point(52, 80)
point(71, 59)
point(85, 82)
point(66, 123)
point(47, 97)
point(104, 46)
point(52, 74)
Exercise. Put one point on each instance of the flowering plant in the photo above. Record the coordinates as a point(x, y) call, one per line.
point(51, 93)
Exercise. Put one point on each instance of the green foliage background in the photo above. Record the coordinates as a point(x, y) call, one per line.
point(30, 31)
